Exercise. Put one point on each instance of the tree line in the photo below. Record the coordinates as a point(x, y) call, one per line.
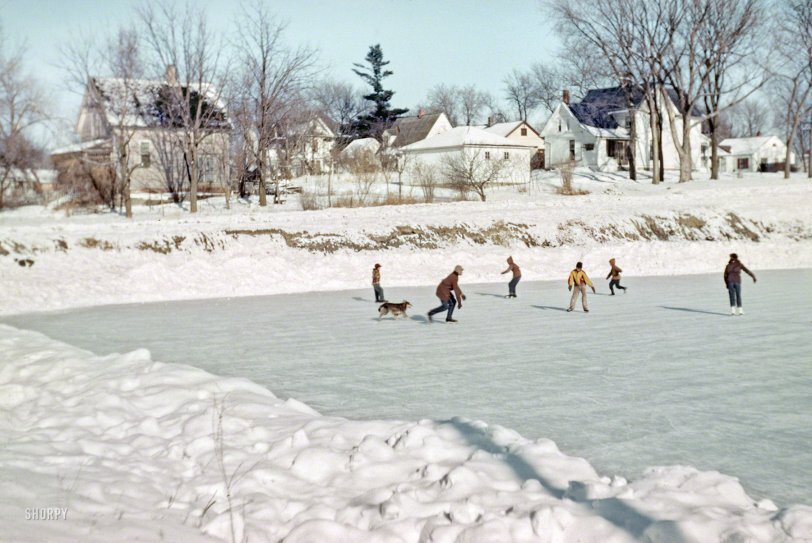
point(738, 66)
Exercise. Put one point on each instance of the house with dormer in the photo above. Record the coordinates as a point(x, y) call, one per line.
point(595, 132)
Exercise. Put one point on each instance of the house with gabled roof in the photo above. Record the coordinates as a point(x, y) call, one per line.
point(595, 132)
point(754, 154)
point(408, 130)
point(139, 113)
point(521, 132)
point(476, 144)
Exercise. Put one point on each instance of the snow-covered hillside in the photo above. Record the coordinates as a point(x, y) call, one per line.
point(134, 449)
point(169, 254)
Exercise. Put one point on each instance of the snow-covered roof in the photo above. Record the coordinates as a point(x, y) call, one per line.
point(461, 136)
point(144, 102)
point(362, 145)
point(746, 146)
point(79, 147)
point(408, 130)
point(607, 133)
point(503, 129)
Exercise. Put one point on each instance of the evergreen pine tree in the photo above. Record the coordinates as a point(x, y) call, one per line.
point(382, 116)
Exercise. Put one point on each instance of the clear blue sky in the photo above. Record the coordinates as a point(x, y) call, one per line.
point(428, 42)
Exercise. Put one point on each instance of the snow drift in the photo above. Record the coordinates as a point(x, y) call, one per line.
point(137, 449)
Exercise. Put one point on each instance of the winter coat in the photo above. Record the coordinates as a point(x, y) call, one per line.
point(733, 272)
point(579, 277)
point(376, 276)
point(614, 273)
point(447, 285)
point(513, 267)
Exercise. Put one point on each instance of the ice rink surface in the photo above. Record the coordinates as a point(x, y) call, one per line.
point(661, 375)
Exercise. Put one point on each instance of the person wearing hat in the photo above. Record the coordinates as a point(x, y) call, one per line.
point(579, 279)
point(614, 274)
point(376, 283)
point(445, 291)
point(733, 281)
point(517, 276)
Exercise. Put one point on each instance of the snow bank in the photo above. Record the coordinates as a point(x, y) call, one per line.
point(137, 449)
point(665, 230)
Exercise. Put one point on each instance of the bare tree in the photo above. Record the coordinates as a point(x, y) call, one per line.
point(184, 47)
point(473, 170)
point(749, 118)
point(340, 102)
point(425, 177)
point(521, 90)
point(730, 39)
point(793, 83)
point(121, 100)
point(472, 102)
point(271, 86)
point(444, 98)
point(549, 82)
point(22, 107)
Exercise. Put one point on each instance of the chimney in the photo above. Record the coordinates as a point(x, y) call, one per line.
point(490, 121)
point(420, 113)
point(565, 96)
point(171, 74)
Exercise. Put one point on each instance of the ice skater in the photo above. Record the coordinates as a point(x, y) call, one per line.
point(733, 281)
point(445, 291)
point(517, 276)
point(376, 284)
point(579, 280)
point(614, 274)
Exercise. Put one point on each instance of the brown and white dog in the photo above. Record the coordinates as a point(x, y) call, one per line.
point(395, 309)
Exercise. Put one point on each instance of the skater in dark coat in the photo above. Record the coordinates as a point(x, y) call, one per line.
point(614, 274)
point(733, 281)
point(376, 283)
point(446, 290)
point(517, 276)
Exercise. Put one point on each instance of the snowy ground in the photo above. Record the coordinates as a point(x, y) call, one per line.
point(658, 377)
point(169, 254)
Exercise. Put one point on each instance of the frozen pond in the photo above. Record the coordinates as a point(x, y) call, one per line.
point(661, 375)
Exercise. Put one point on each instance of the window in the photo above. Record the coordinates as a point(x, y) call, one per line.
point(507, 155)
point(206, 169)
point(145, 156)
point(559, 125)
point(743, 163)
point(589, 147)
point(487, 155)
point(524, 131)
point(572, 149)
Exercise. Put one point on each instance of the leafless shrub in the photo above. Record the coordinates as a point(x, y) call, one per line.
point(473, 171)
point(425, 177)
point(566, 188)
point(310, 200)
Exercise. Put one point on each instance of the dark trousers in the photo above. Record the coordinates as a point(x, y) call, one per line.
point(734, 290)
point(615, 283)
point(378, 293)
point(448, 305)
point(512, 286)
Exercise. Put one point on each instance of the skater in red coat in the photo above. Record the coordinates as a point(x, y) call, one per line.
point(446, 290)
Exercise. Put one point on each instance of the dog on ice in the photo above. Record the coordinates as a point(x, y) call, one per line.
point(396, 309)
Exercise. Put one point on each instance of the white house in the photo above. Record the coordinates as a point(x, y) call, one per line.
point(360, 149)
point(474, 144)
point(407, 130)
point(306, 148)
point(756, 154)
point(595, 132)
point(521, 132)
point(141, 115)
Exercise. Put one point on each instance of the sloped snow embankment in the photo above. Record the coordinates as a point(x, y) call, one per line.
point(81, 261)
point(137, 449)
